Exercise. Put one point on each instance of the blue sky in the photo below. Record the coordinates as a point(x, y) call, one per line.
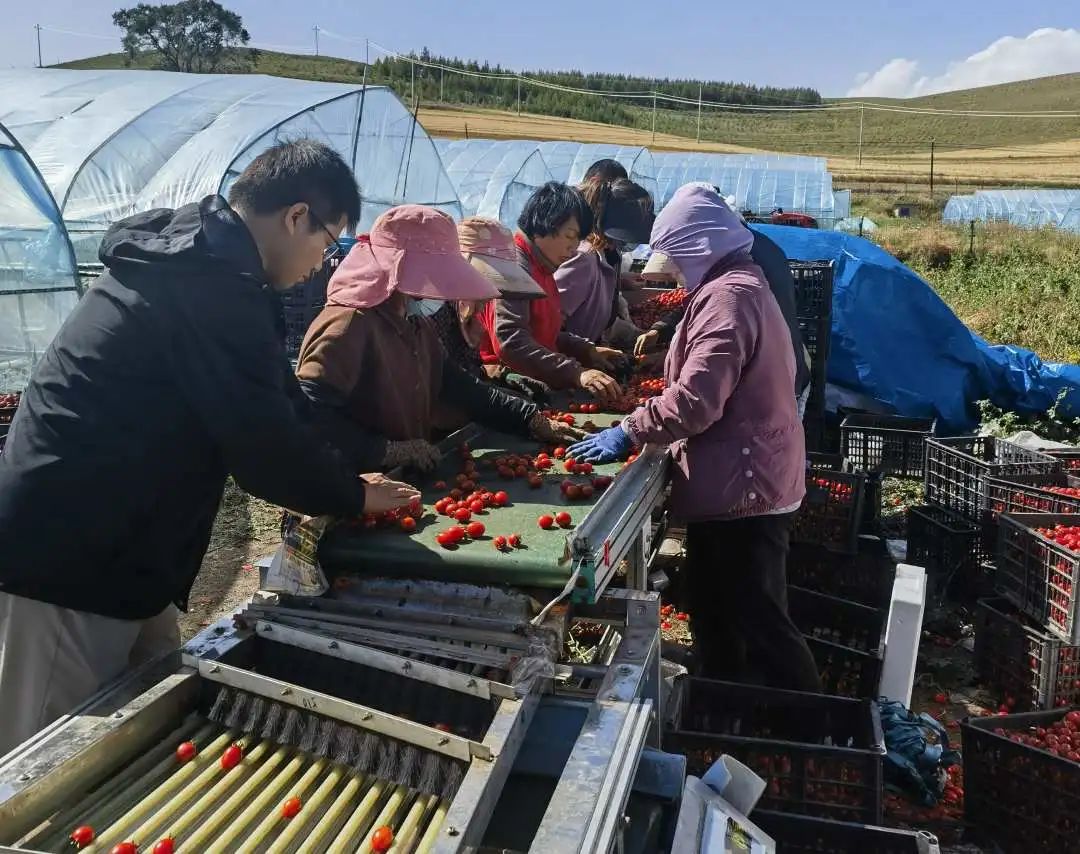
point(869, 47)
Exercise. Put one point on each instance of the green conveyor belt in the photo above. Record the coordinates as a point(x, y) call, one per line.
point(542, 562)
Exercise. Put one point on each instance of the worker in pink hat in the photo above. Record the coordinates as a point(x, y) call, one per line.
point(372, 364)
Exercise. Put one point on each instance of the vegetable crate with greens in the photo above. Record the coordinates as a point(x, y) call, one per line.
point(957, 470)
point(1022, 780)
point(1026, 668)
point(819, 755)
point(1039, 568)
point(889, 444)
point(800, 834)
point(866, 577)
point(948, 546)
point(846, 640)
point(1033, 493)
point(832, 512)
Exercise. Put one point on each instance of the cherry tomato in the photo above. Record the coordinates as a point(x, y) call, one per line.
point(501, 499)
point(382, 839)
point(291, 807)
point(546, 522)
point(408, 524)
point(82, 836)
point(559, 453)
point(573, 492)
point(535, 481)
point(563, 519)
point(514, 540)
point(587, 491)
point(164, 846)
point(500, 543)
point(232, 756)
point(439, 484)
point(186, 751)
point(125, 848)
point(585, 468)
point(475, 530)
point(444, 539)
point(456, 494)
point(476, 506)
point(683, 616)
point(569, 465)
point(462, 515)
point(665, 625)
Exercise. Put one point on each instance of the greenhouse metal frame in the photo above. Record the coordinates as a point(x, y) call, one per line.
point(493, 178)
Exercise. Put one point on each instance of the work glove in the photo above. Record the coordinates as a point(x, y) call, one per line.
point(603, 447)
point(553, 432)
point(412, 453)
point(532, 389)
point(646, 342)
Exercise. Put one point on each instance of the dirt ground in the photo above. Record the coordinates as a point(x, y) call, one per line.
point(246, 529)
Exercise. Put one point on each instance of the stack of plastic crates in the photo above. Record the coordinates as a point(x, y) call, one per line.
point(813, 306)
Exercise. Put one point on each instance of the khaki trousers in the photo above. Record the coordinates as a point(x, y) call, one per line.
point(52, 659)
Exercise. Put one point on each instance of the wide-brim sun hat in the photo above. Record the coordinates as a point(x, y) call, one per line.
point(660, 268)
point(628, 222)
point(489, 248)
point(413, 249)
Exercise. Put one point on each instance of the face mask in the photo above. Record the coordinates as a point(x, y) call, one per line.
point(424, 307)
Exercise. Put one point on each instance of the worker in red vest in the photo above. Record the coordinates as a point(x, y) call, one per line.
point(526, 335)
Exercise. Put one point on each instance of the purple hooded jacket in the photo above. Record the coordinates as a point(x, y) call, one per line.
point(727, 412)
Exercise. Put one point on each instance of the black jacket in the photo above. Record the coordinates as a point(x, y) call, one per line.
point(169, 374)
point(768, 255)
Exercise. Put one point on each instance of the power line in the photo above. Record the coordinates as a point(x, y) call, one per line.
point(82, 35)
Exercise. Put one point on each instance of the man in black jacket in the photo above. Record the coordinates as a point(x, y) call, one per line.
point(168, 376)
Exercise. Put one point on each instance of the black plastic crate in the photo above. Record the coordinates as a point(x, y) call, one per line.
point(1030, 493)
point(800, 834)
point(889, 444)
point(816, 336)
point(1038, 575)
point(957, 469)
point(302, 303)
point(831, 513)
point(866, 577)
point(1028, 669)
point(818, 755)
point(836, 620)
point(1019, 797)
point(813, 288)
point(1069, 457)
point(948, 546)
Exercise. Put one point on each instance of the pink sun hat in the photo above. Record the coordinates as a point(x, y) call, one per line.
point(413, 249)
point(489, 247)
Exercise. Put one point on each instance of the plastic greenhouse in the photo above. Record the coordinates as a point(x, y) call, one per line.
point(493, 178)
point(1030, 208)
point(39, 283)
point(111, 143)
point(569, 161)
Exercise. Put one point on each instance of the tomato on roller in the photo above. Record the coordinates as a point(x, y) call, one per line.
point(232, 756)
point(382, 839)
point(291, 807)
point(125, 848)
point(81, 836)
point(164, 846)
point(186, 751)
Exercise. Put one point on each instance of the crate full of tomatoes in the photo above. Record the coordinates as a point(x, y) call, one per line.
point(1026, 668)
point(9, 402)
point(1022, 776)
point(819, 755)
point(831, 514)
point(646, 312)
point(1058, 492)
point(1039, 568)
point(1069, 457)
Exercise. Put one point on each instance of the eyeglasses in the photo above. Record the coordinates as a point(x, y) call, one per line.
point(335, 249)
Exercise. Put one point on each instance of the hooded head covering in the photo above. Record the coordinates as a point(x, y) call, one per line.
point(697, 231)
point(412, 249)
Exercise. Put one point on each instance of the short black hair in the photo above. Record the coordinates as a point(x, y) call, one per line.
point(303, 170)
point(605, 170)
point(551, 207)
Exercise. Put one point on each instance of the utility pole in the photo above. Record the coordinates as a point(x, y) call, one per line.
point(519, 96)
point(367, 52)
point(38, 28)
point(654, 115)
point(862, 115)
point(931, 170)
point(700, 89)
point(442, 83)
point(316, 29)
point(412, 85)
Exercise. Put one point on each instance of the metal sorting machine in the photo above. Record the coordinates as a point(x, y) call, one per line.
point(444, 710)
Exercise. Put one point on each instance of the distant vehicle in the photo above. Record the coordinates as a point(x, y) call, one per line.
point(780, 217)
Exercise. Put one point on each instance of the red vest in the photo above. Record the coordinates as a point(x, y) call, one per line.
point(545, 315)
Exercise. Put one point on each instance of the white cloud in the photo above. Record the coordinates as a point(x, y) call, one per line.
point(1043, 53)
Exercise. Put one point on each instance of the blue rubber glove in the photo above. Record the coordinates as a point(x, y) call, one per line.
point(603, 447)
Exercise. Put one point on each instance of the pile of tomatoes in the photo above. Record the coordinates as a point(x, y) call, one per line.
point(1062, 738)
point(1070, 491)
point(647, 312)
point(668, 612)
point(8, 404)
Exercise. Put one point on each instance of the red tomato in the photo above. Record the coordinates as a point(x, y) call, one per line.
point(514, 540)
point(125, 848)
point(665, 625)
point(587, 491)
point(563, 519)
point(459, 533)
point(573, 407)
point(439, 484)
point(544, 464)
point(501, 499)
point(568, 419)
point(444, 539)
point(559, 453)
point(500, 543)
point(407, 524)
point(468, 486)
point(164, 846)
point(462, 515)
point(535, 481)
point(585, 468)
point(573, 492)
point(569, 464)
point(232, 756)
point(186, 751)
point(382, 839)
point(545, 521)
point(601, 482)
point(475, 530)
point(682, 616)
point(82, 836)
point(291, 807)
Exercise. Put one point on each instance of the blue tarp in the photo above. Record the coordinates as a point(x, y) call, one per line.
point(896, 341)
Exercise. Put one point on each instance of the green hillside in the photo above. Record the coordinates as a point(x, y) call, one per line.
point(834, 134)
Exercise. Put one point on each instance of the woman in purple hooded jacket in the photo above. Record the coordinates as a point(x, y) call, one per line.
point(737, 446)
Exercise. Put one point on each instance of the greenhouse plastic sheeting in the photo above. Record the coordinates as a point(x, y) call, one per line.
point(493, 178)
point(1027, 208)
point(110, 143)
point(569, 161)
point(896, 341)
point(39, 282)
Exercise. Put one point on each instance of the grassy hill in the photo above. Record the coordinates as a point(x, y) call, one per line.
point(1013, 145)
